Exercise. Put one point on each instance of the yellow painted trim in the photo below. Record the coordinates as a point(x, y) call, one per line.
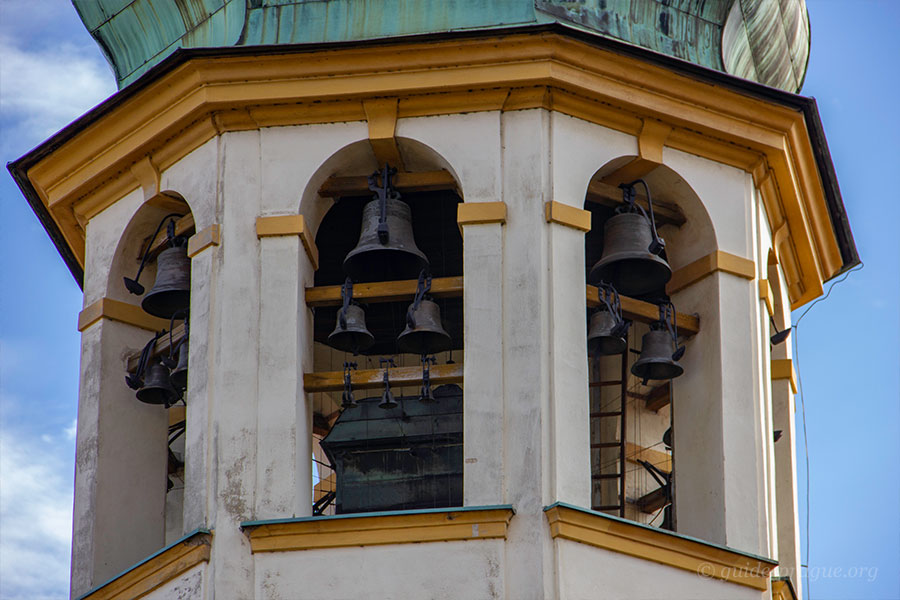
point(116, 310)
point(479, 213)
point(147, 176)
point(200, 241)
point(658, 545)
point(381, 529)
point(152, 573)
point(709, 264)
point(651, 141)
point(576, 218)
point(782, 589)
point(381, 114)
point(205, 97)
point(766, 294)
point(783, 368)
point(289, 225)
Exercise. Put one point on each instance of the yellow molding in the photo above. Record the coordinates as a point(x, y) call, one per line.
point(709, 264)
point(658, 545)
point(783, 368)
point(289, 225)
point(363, 530)
point(147, 176)
point(766, 294)
point(782, 589)
point(200, 241)
point(651, 140)
point(205, 97)
point(115, 310)
point(479, 213)
point(155, 571)
point(576, 218)
point(381, 114)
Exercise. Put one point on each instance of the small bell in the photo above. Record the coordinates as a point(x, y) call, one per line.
point(424, 333)
point(387, 396)
point(350, 333)
point(608, 329)
point(631, 258)
point(180, 372)
point(157, 387)
point(658, 361)
point(386, 249)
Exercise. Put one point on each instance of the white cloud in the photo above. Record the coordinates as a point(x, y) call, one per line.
point(43, 90)
point(35, 518)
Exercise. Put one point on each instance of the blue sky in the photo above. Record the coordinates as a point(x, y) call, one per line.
point(51, 72)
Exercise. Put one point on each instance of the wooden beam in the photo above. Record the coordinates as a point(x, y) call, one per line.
point(367, 379)
point(652, 502)
point(665, 213)
point(183, 226)
point(160, 347)
point(658, 397)
point(661, 460)
point(645, 312)
point(425, 181)
point(384, 291)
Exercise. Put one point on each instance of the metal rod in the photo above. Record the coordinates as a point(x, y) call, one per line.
point(623, 395)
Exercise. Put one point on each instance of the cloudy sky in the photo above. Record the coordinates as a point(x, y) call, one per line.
point(51, 72)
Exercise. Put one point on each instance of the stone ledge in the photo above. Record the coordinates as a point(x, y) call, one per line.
point(658, 545)
point(156, 569)
point(370, 529)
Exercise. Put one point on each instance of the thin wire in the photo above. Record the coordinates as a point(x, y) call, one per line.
point(796, 329)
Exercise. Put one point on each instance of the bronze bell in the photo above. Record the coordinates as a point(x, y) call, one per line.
point(424, 333)
point(627, 261)
point(350, 333)
point(656, 360)
point(602, 335)
point(157, 388)
point(386, 249)
point(172, 289)
point(180, 372)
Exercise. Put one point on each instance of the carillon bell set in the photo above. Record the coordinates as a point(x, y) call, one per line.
point(163, 380)
point(632, 263)
point(387, 251)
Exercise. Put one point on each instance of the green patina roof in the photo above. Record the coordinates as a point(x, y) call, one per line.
point(762, 40)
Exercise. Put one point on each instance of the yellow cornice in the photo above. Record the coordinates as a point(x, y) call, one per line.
point(116, 310)
point(403, 527)
point(709, 264)
point(783, 368)
point(658, 545)
point(570, 216)
point(156, 570)
point(205, 96)
point(279, 225)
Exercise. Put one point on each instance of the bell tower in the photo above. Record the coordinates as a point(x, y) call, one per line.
point(446, 300)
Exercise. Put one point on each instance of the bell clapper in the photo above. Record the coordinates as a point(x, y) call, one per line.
point(427, 395)
point(132, 285)
point(347, 399)
point(387, 396)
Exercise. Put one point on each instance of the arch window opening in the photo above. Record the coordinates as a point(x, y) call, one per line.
point(631, 424)
point(375, 449)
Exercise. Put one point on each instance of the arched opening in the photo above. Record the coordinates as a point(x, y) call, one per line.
point(407, 456)
point(632, 420)
point(158, 382)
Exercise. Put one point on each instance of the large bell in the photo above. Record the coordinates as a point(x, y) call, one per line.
point(601, 336)
point(656, 360)
point(397, 256)
point(157, 388)
point(424, 333)
point(627, 262)
point(351, 335)
point(180, 372)
point(172, 289)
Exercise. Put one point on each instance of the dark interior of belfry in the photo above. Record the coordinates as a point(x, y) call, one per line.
point(388, 433)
